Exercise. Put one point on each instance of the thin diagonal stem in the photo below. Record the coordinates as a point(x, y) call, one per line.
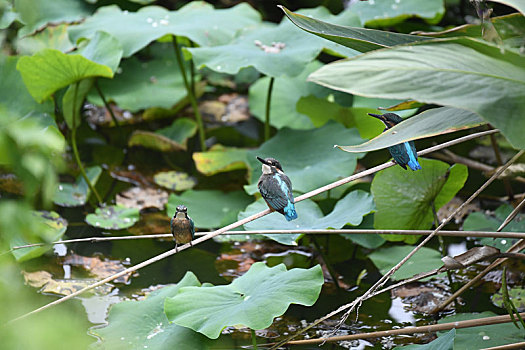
point(106, 104)
point(191, 95)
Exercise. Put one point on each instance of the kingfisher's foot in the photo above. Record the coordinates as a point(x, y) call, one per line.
point(176, 248)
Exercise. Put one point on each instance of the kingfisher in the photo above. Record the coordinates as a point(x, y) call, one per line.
point(182, 227)
point(404, 153)
point(276, 188)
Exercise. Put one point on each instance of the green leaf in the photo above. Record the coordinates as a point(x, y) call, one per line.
point(175, 180)
point(219, 159)
point(517, 4)
point(198, 21)
point(143, 324)
point(359, 39)
point(73, 99)
point(50, 70)
point(432, 122)
point(252, 300)
point(7, 14)
point(50, 38)
point(76, 194)
point(256, 48)
point(385, 13)
point(210, 209)
point(462, 73)
point(307, 156)
point(482, 336)
point(349, 210)
point(36, 14)
point(479, 221)
point(113, 217)
point(444, 342)
point(424, 260)
point(102, 49)
point(516, 294)
point(15, 100)
point(141, 84)
point(50, 227)
point(404, 199)
point(171, 138)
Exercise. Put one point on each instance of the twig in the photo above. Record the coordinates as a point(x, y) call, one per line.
point(520, 345)
point(497, 154)
point(478, 322)
point(251, 218)
point(516, 247)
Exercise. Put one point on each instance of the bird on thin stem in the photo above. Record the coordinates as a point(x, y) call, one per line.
point(276, 188)
point(182, 227)
point(404, 153)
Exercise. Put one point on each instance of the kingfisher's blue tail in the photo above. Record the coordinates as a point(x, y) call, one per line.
point(414, 164)
point(289, 212)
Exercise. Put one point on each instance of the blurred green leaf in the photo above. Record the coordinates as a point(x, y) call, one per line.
point(432, 122)
point(349, 210)
point(307, 156)
point(198, 21)
point(219, 159)
point(7, 14)
point(49, 227)
point(175, 180)
point(482, 221)
point(113, 217)
point(103, 49)
point(50, 38)
point(424, 260)
point(385, 13)
point(463, 73)
point(274, 50)
point(36, 14)
point(143, 324)
point(404, 199)
point(252, 300)
point(360, 39)
point(210, 209)
point(482, 336)
point(50, 70)
point(76, 194)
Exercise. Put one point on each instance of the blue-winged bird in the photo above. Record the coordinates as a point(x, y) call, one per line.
point(182, 227)
point(276, 188)
point(404, 153)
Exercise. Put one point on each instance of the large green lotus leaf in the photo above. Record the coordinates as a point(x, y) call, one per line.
point(76, 194)
point(349, 210)
point(360, 39)
point(7, 14)
point(15, 100)
point(431, 122)
point(517, 4)
point(404, 198)
point(479, 221)
point(50, 38)
point(172, 138)
point(50, 227)
point(385, 13)
point(50, 70)
point(35, 14)
point(307, 156)
point(113, 217)
point(219, 159)
point(103, 49)
point(485, 336)
point(320, 111)
point(444, 342)
point(175, 180)
point(424, 260)
point(198, 21)
point(144, 84)
point(254, 49)
point(252, 300)
point(462, 73)
point(210, 209)
point(144, 325)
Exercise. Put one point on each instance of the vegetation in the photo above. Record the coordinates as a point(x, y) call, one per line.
point(113, 113)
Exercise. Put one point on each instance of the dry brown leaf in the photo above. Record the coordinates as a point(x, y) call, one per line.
point(140, 198)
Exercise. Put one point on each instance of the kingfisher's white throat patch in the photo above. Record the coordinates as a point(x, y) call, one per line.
point(266, 169)
point(180, 215)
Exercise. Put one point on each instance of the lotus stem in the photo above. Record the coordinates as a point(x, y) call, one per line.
point(267, 112)
point(106, 104)
point(254, 339)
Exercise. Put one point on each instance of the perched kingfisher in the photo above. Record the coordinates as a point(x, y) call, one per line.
point(276, 188)
point(182, 227)
point(404, 153)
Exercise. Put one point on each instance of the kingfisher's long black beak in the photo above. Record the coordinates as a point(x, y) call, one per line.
point(262, 160)
point(378, 116)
